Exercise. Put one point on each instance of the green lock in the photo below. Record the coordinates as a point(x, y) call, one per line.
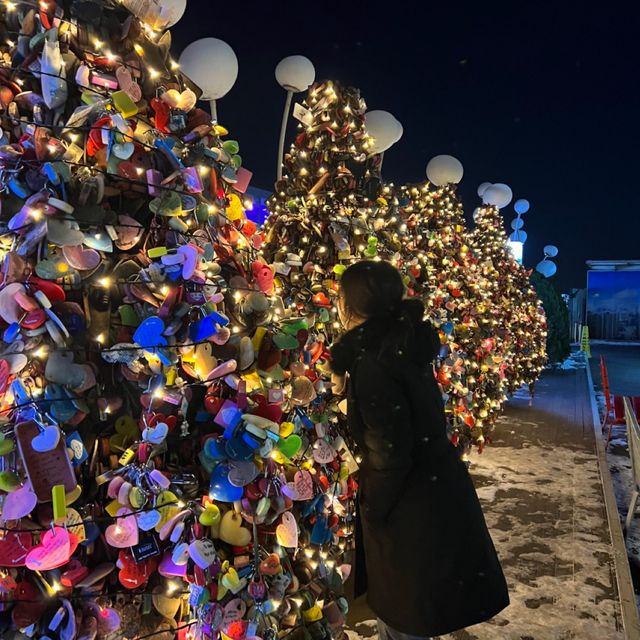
point(128, 315)
point(231, 146)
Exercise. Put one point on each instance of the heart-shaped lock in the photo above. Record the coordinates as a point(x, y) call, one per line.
point(304, 485)
point(203, 552)
point(55, 549)
point(19, 503)
point(290, 445)
point(169, 569)
point(124, 533)
point(323, 452)
point(287, 531)
point(47, 439)
point(165, 605)
point(242, 473)
point(232, 531)
point(221, 488)
point(180, 554)
point(148, 520)
point(211, 516)
point(156, 434)
point(271, 566)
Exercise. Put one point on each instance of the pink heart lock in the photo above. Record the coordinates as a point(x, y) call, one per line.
point(190, 259)
point(323, 452)
point(124, 533)
point(223, 370)
point(304, 485)
point(123, 492)
point(234, 610)
point(80, 258)
point(263, 275)
point(128, 232)
point(114, 487)
point(19, 503)
point(55, 549)
point(287, 531)
point(10, 310)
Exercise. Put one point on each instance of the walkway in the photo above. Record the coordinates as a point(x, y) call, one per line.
point(542, 493)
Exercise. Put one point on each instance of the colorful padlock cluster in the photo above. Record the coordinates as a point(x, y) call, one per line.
point(171, 462)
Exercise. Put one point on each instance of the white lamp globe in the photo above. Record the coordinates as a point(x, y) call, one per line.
point(498, 195)
point(518, 236)
point(551, 251)
point(171, 11)
point(521, 206)
point(546, 268)
point(295, 73)
point(383, 128)
point(212, 65)
point(482, 188)
point(444, 169)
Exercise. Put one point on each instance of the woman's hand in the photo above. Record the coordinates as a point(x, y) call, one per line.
point(338, 384)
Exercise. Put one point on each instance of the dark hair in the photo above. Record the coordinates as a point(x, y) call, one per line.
point(374, 289)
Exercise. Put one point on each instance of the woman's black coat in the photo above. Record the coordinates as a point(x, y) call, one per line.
point(431, 565)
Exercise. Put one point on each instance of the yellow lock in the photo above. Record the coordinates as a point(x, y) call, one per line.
point(73, 495)
point(313, 614)
point(113, 507)
point(258, 336)
point(59, 504)
point(286, 429)
point(235, 211)
point(170, 376)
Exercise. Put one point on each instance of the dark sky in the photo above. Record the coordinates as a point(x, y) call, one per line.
point(542, 96)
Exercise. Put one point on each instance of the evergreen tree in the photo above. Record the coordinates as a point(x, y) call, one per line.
point(520, 326)
point(428, 234)
point(557, 314)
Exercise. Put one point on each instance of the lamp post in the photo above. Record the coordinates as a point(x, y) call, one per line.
point(546, 267)
point(294, 74)
point(384, 130)
point(213, 66)
point(519, 236)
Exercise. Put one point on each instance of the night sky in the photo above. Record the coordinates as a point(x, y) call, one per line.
point(542, 96)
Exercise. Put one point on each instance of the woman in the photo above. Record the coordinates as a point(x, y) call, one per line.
point(431, 565)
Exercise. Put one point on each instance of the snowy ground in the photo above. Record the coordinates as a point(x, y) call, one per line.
point(541, 492)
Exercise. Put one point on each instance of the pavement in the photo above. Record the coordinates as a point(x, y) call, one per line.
point(542, 493)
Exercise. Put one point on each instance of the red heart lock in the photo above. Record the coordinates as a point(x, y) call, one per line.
point(133, 575)
point(252, 491)
point(33, 319)
point(213, 403)
point(323, 481)
point(272, 412)
point(270, 566)
point(162, 113)
point(75, 572)
point(14, 547)
point(5, 375)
